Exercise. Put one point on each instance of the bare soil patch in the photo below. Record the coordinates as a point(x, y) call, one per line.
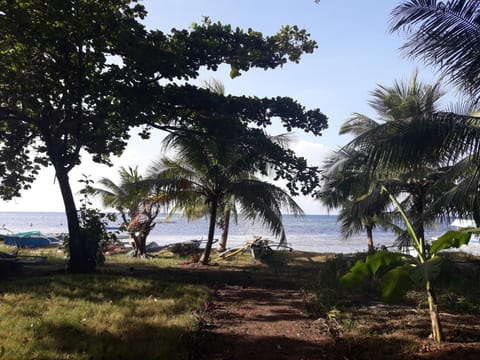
point(257, 314)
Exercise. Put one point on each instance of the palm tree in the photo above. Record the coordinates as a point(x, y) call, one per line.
point(444, 34)
point(125, 196)
point(347, 185)
point(390, 145)
point(227, 209)
point(137, 203)
point(207, 170)
point(447, 35)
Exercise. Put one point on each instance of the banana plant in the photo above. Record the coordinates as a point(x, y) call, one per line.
point(399, 272)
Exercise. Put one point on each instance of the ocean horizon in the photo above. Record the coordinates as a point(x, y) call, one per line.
point(317, 233)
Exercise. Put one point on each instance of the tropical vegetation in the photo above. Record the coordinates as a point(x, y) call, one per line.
point(444, 34)
point(433, 29)
point(61, 93)
point(209, 171)
point(137, 204)
point(354, 175)
point(425, 157)
point(399, 271)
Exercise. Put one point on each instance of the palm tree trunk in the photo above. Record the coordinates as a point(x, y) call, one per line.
point(434, 315)
point(211, 232)
point(371, 249)
point(226, 225)
point(476, 214)
point(417, 213)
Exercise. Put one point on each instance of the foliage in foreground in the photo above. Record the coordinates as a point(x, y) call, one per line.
point(399, 271)
point(81, 317)
point(360, 323)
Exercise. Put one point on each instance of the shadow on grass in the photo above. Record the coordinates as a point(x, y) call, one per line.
point(139, 342)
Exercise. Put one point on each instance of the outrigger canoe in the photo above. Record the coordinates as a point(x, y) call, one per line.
point(30, 239)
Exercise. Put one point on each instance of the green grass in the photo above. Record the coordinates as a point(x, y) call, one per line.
point(150, 308)
point(108, 315)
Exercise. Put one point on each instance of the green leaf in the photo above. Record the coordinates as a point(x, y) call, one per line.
point(396, 283)
point(357, 274)
point(427, 271)
point(451, 239)
point(234, 72)
point(383, 259)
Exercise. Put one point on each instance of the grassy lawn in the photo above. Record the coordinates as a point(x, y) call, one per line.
point(114, 314)
point(150, 308)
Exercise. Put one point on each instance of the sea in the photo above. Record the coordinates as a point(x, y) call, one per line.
point(316, 233)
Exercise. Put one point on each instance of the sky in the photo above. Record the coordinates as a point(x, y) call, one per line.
point(356, 52)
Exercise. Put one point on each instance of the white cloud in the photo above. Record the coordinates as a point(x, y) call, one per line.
point(313, 152)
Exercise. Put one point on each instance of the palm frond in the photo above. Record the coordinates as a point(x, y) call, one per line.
point(357, 124)
point(444, 34)
point(262, 201)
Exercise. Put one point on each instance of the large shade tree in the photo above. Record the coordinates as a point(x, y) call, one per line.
point(77, 75)
point(210, 170)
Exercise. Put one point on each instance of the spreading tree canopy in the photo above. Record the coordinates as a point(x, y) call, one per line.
point(78, 74)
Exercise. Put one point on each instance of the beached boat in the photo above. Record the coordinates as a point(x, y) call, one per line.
point(30, 239)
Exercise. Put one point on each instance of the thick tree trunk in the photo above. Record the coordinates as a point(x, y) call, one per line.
point(226, 225)
point(211, 232)
point(371, 248)
point(81, 260)
point(434, 315)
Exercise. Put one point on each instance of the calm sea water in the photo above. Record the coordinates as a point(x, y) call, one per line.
point(319, 233)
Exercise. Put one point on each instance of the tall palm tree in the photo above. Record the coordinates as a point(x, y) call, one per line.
point(209, 169)
point(445, 34)
point(390, 144)
point(227, 208)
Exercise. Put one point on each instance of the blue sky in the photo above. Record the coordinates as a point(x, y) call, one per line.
point(355, 53)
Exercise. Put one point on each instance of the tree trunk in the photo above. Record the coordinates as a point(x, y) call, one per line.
point(418, 209)
point(434, 315)
point(142, 244)
point(476, 214)
point(80, 260)
point(139, 242)
point(211, 232)
point(371, 249)
point(226, 225)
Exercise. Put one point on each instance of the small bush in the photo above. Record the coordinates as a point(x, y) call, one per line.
point(326, 293)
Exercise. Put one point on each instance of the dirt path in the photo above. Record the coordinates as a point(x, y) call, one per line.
point(260, 323)
point(259, 315)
